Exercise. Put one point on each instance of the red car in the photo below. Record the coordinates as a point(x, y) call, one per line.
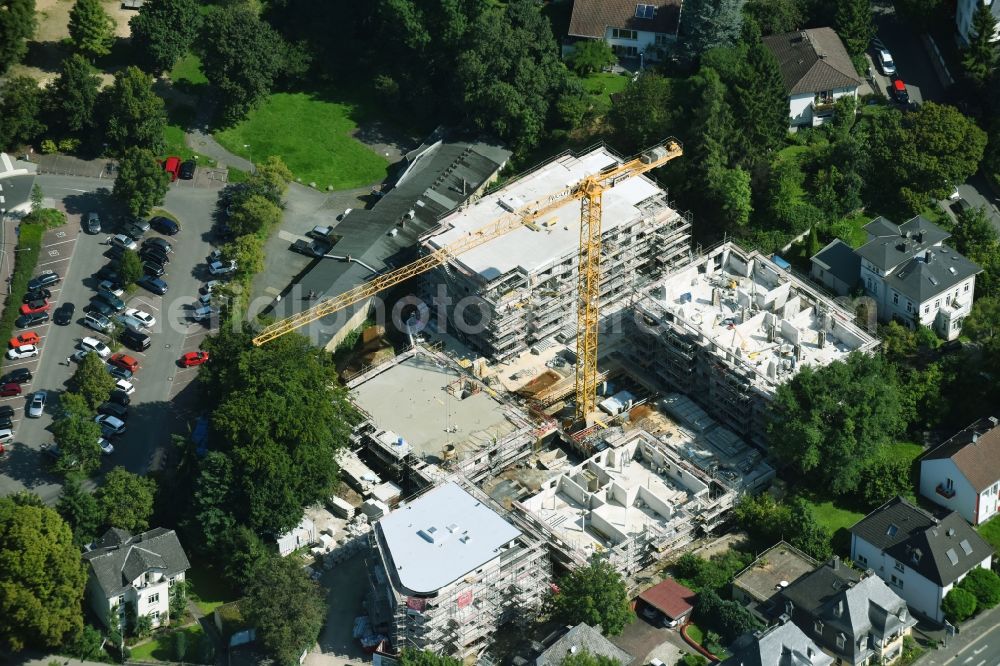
point(34, 306)
point(10, 389)
point(172, 165)
point(193, 358)
point(124, 361)
point(28, 338)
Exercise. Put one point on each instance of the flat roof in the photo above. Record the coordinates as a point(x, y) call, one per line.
point(411, 398)
point(774, 570)
point(441, 536)
point(559, 231)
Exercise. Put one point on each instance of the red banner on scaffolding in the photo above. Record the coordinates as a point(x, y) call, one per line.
point(416, 603)
point(465, 598)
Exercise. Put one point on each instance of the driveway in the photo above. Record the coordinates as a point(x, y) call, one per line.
point(913, 65)
point(979, 195)
point(346, 585)
point(644, 642)
point(163, 403)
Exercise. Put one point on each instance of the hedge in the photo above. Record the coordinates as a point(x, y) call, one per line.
point(24, 268)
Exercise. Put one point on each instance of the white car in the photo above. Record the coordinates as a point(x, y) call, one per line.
point(37, 404)
point(222, 267)
point(112, 425)
point(24, 351)
point(885, 62)
point(6, 435)
point(96, 346)
point(123, 241)
point(125, 386)
point(106, 447)
point(148, 320)
point(110, 287)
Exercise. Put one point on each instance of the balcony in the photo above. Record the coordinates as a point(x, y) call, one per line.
point(944, 492)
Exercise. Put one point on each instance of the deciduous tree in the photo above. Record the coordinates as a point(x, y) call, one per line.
point(135, 114)
point(584, 657)
point(126, 500)
point(984, 585)
point(642, 113)
point(212, 510)
point(591, 56)
point(141, 183)
point(286, 607)
point(253, 215)
point(42, 578)
point(163, 31)
point(92, 381)
point(130, 267)
point(983, 322)
point(71, 98)
point(20, 110)
point(776, 16)
point(91, 28)
point(77, 434)
point(242, 552)
point(594, 594)
point(80, 511)
point(17, 25)
point(412, 657)
point(958, 605)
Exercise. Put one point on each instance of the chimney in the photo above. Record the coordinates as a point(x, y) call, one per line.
point(928, 256)
point(994, 421)
point(835, 563)
point(838, 610)
point(975, 437)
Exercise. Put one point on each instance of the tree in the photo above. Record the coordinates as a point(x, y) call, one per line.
point(126, 500)
point(830, 422)
point(980, 56)
point(21, 110)
point(693, 659)
point(248, 251)
point(710, 24)
point(412, 657)
point(92, 381)
point(88, 644)
point(253, 215)
point(211, 511)
point(584, 657)
point(42, 578)
point(775, 16)
point(242, 552)
point(641, 114)
point(804, 532)
point(760, 101)
point(178, 601)
point(853, 22)
point(163, 31)
point(975, 237)
point(71, 98)
point(91, 29)
point(713, 574)
point(884, 478)
point(594, 594)
point(983, 322)
point(731, 188)
point(37, 198)
point(984, 585)
point(920, 12)
point(729, 618)
point(17, 25)
point(270, 178)
point(958, 605)
point(591, 56)
point(141, 183)
point(80, 511)
point(130, 267)
point(136, 115)
point(77, 434)
point(241, 56)
point(286, 607)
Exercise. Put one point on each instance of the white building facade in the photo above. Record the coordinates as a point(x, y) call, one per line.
point(963, 473)
point(965, 10)
point(632, 29)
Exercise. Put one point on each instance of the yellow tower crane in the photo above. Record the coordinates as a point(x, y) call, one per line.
point(589, 192)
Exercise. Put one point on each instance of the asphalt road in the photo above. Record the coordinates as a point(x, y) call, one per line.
point(977, 644)
point(913, 65)
point(161, 405)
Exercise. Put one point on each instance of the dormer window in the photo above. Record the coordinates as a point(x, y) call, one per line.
point(818, 627)
point(645, 11)
point(841, 641)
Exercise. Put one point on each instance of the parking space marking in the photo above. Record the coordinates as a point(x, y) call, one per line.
point(55, 261)
point(61, 233)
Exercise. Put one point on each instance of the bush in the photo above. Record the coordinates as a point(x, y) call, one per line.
point(68, 145)
point(958, 605)
point(692, 660)
point(29, 246)
point(984, 585)
point(49, 146)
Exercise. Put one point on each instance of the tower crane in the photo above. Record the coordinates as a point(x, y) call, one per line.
point(589, 192)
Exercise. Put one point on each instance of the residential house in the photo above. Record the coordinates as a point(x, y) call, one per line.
point(853, 616)
point(630, 27)
point(913, 277)
point(920, 556)
point(668, 601)
point(759, 586)
point(963, 473)
point(781, 645)
point(132, 576)
point(582, 637)
point(964, 11)
point(817, 72)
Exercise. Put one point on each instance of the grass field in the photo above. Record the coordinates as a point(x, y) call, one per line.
point(207, 589)
point(179, 118)
point(602, 86)
point(315, 140)
point(188, 70)
point(161, 648)
point(990, 531)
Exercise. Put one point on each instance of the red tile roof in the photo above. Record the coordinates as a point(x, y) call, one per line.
point(670, 598)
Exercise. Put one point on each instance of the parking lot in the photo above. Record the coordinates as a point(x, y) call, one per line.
point(163, 403)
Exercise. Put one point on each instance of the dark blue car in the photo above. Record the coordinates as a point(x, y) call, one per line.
point(153, 284)
point(164, 225)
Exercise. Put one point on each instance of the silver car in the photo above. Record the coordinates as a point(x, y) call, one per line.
point(37, 404)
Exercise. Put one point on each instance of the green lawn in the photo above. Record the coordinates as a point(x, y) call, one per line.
point(990, 531)
point(834, 516)
point(207, 589)
point(179, 118)
point(161, 648)
point(695, 633)
point(188, 70)
point(312, 136)
point(602, 86)
point(851, 229)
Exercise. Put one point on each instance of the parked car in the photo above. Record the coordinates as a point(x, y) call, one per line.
point(124, 361)
point(129, 323)
point(119, 373)
point(108, 272)
point(202, 313)
point(125, 386)
point(134, 339)
point(36, 295)
point(187, 170)
point(164, 225)
point(106, 447)
point(194, 358)
point(123, 241)
point(153, 253)
point(64, 314)
point(97, 322)
point(29, 338)
point(37, 404)
point(112, 286)
point(24, 351)
point(139, 223)
point(113, 409)
point(161, 243)
point(43, 279)
point(96, 346)
point(153, 268)
point(120, 398)
point(101, 307)
point(92, 223)
point(6, 411)
point(132, 231)
point(16, 376)
point(24, 321)
point(148, 320)
point(885, 62)
point(34, 307)
point(115, 253)
point(153, 284)
point(112, 300)
point(222, 267)
point(8, 390)
point(172, 165)
point(899, 92)
point(111, 425)
point(209, 287)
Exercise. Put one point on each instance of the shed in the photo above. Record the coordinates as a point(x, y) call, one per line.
point(670, 598)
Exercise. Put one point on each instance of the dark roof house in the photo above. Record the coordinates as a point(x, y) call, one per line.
point(592, 18)
point(582, 637)
point(812, 61)
point(837, 266)
point(118, 558)
point(781, 645)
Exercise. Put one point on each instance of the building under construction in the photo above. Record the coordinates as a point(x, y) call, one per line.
point(729, 327)
point(448, 568)
point(522, 286)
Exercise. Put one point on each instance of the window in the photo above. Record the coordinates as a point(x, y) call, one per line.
point(627, 51)
point(862, 560)
point(966, 286)
point(898, 582)
point(937, 304)
point(895, 298)
point(170, 583)
point(645, 11)
point(153, 598)
point(662, 39)
point(155, 615)
point(927, 309)
point(618, 33)
point(900, 567)
point(121, 600)
point(841, 641)
point(949, 484)
point(818, 627)
point(909, 306)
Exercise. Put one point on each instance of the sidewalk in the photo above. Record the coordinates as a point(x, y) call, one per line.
point(970, 634)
